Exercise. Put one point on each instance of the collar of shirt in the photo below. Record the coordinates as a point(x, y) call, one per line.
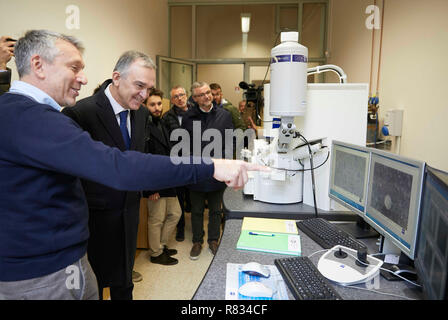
point(26, 89)
point(117, 107)
point(211, 108)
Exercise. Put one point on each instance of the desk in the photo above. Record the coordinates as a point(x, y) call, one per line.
point(237, 206)
point(213, 284)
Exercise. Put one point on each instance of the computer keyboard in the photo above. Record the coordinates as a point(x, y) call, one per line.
point(304, 280)
point(327, 234)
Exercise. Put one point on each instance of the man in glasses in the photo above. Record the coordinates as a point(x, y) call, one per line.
point(172, 120)
point(218, 119)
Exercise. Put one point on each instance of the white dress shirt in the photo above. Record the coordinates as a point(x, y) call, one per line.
point(118, 108)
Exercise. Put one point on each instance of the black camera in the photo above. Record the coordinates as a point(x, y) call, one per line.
point(253, 94)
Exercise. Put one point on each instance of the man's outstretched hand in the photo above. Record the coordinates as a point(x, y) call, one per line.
point(234, 172)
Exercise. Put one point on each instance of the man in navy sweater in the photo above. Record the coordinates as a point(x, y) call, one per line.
point(43, 155)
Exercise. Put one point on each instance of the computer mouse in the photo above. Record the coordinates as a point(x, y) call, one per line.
point(255, 289)
point(256, 269)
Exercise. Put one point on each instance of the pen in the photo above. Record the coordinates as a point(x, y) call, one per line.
point(261, 234)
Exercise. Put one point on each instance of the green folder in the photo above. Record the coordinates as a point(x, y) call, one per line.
point(272, 242)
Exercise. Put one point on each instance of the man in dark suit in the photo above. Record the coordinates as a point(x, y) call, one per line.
point(109, 116)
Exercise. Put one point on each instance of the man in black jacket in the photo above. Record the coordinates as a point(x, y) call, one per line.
point(113, 116)
point(172, 119)
point(206, 116)
point(163, 206)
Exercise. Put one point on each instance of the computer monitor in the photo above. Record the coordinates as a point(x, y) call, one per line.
point(431, 261)
point(393, 201)
point(349, 170)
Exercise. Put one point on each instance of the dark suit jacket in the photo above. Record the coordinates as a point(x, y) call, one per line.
point(157, 142)
point(217, 118)
point(114, 214)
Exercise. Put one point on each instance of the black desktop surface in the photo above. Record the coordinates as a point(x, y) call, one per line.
point(238, 205)
point(213, 284)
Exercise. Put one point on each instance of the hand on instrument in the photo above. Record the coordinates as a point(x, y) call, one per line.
point(234, 172)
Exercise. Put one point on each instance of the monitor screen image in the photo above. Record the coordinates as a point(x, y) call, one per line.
point(431, 259)
point(349, 175)
point(393, 201)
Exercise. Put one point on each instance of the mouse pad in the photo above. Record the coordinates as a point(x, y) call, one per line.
point(235, 278)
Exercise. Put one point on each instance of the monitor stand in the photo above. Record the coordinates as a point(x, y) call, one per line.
point(359, 230)
point(405, 268)
point(401, 264)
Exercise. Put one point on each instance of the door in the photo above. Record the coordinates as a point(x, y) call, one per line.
point(172, 72)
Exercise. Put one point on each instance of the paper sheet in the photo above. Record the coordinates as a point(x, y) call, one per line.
point(235, 278)
point(269, 225)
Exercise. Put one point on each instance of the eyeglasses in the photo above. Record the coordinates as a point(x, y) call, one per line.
point(178, 96)
point(202, 95)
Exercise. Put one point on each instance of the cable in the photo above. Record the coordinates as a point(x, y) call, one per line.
point(365, 289)
point(329, 67)
point(298, 170)
point(324, 250)
point(397, 275)
point(379, 142)
point(401, 277)
point(381, 47)
point(379, 292)
point(312, 173)
point(371, 54)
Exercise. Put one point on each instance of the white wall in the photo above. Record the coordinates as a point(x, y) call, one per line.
point(107, 29)
point(227, 76)
point(413, 67)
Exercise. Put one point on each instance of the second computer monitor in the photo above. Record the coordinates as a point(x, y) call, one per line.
point(393, 202)
point(349, 175)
